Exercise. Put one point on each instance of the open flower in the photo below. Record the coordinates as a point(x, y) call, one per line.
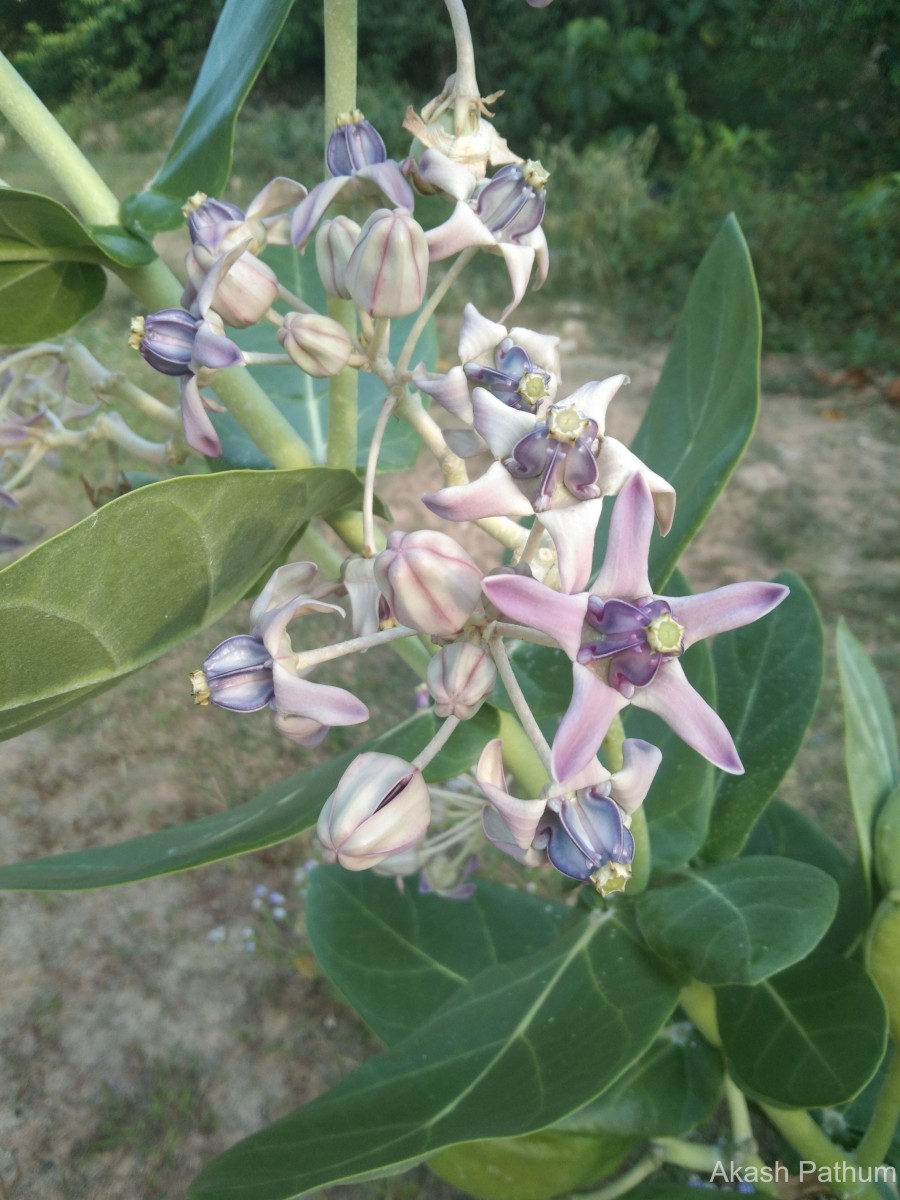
point(358, 162)
point(580, 824)
point(251, 671)
point(221, 226)
point(557, 463)
point(625, 642)
point(518, 366)
point(502, 214)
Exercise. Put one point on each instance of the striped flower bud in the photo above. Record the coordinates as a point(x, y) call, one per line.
point(388, 269)
point(379, 808)
point(335, 242)
point(429, 581)
point(318, 345)
point(460, 678)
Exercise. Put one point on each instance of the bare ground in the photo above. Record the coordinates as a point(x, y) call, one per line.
point(139, 1035)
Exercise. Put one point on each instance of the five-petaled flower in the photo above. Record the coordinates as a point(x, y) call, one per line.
point(625, 642)
point(557, 463)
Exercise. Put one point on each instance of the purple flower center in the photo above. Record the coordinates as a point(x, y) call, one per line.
point(635, 638)
point(559, 450)
point(515, 379)
point(353, 145)
point(237, 675)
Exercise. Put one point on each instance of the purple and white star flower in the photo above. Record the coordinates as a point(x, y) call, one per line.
point(580, 824)
point(357, 160)
point(252, 671)
point(557, 463)
point(518, 366)
point(625, 642)
point(502, 215)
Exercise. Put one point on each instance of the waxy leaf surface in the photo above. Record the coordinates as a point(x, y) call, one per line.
point(705, 405)
point(670, 1089)
point(811, 1036)
point(199, 158)
point(140, 575)
point(550, 1030)
point(870, 739)
point(278, 813)
point(739, 922)
point(398, 956)
point(768, 676)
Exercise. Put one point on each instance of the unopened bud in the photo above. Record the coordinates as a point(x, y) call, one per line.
point(429, 581)
point(246, 291)
point(460, 677)
point(388, 269)
point(379, 808)
point(335, 242)
point(318, 345)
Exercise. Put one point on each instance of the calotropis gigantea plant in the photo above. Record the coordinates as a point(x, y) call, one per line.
point(682, 943)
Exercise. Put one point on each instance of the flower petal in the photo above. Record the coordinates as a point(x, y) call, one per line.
point(617, 464)
point(593, 399)
point(520, 817)
point(493, 495)
point(685, 711)
point(500, 426)
point(287, 582)
point(327, 704)
point(460, 231)
point(451, 391)
point(624, 570)
point(539, 607)
point(573, 529)
point(478, 335)
point(388, 178)
point(278, 194)
point(725, 608)
point(519, 259)
point(585, 723)
point(309, 211)
point(199, 432)
point(631, 783)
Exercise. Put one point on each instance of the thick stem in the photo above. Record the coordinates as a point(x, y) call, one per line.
point(371, 466)
point(808, 1139)
point(520, 756)
point(466, 87)
point(640, 868)
point(627, 1182)
point(878, 1137)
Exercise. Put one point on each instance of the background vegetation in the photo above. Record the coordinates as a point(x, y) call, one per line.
point(787, 111)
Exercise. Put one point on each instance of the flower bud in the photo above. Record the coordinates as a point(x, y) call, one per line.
point(379, 808)
point(318, 345)
point(388, 269)
point(512, 203)
point(335, 242)
point(245, 292)
point(354, 144)
point(165, 340)
point(460, 677)
point(430, 582)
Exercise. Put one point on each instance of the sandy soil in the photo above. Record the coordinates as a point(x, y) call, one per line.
point(139, 1034)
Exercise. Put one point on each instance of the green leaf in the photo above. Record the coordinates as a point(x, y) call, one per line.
point(768, 676)
point(49, 272)
point(140, 575)
point(358, 922)
point(785, 832)
point(544, 675)
point(870, 739)
point(741, 921)
point(705, 405)
point(278, 813)
point(304, 400)
point(199, 158)
point(811, 1036)
point(519, 1047)
point(535, 1167)
point(680, 799)
point(669, 1090)
point(122, 246)
point(464, 746)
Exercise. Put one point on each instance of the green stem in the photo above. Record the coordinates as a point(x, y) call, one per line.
point(520, 756)
point(59, 154)
point(873, 1149)
point(519, 703)
point(808, 1139)
point(343, 393)
point(640, 867)
point(625, 1183)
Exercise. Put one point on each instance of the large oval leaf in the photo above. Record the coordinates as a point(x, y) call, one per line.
point(199, 158)
point(768, 677)
point(358, 922)
point(519, 1047)
point(279, 813)
point(705, 405)
point(809, 1037)
point(739, 922)
point(139, 576)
